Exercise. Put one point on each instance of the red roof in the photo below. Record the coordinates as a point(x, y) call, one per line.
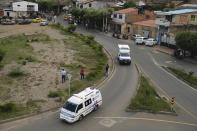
point(149, 23)
point(128, 10)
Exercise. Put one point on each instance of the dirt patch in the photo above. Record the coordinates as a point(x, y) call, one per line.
point(44, 74)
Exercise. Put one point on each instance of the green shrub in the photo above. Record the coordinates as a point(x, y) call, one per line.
point(8, 107)
point(2, 54)
point(54, 94)
point(16, 72)
point(30, 59)
point(71, 28)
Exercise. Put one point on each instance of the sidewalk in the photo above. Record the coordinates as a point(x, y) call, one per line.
point(164, 49)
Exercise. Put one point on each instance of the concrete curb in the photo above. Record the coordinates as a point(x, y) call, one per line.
point(186, 82)
point(164, 52)
point(28, 115)
point(97, 85)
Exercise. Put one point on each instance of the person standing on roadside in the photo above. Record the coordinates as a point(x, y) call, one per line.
point(63, 74)
point(82, 73)
point(106, 70)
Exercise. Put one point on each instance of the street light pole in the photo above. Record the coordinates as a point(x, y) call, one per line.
point(69, 79)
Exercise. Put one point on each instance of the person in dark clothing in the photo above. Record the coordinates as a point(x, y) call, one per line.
point(82, 73)
point(106, 70)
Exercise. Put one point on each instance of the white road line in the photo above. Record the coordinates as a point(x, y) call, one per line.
point(155, 62)
point(148, 119)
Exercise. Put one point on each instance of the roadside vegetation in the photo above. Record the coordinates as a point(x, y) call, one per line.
point(147, 98)
point(187, 41)
point(89, 54)
point(186, 76)
point(12, 109)
point(26, 59)
point(15, 52)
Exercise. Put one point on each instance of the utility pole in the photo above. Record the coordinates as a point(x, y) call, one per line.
point(69, 79)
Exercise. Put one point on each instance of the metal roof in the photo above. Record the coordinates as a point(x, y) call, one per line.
point(176, 12)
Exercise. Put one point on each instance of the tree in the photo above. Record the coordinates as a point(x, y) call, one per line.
point(129, 5)
point(187, 41)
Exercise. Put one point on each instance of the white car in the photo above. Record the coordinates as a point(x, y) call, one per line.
point(140, 40)
point(150, 42)
point(44, 23)
point(135, 36)
point(81, 104)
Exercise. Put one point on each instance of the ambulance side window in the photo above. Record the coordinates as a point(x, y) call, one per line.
point(79, 107)
point(88, 102)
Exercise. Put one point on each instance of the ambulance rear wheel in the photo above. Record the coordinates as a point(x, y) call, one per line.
point(81, 118)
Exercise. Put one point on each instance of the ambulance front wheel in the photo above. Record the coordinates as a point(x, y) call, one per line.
point(81, 118)
point(95, 107)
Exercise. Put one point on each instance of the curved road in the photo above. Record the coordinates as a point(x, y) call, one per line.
point(116, 96)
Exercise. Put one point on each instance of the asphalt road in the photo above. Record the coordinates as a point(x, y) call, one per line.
point(116, 96)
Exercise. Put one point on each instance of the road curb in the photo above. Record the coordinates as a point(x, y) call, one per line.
point(28, 115)
point(181, 79)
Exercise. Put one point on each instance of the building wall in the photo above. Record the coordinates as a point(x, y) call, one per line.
point(118, 19)
point(11, 13)
point(139, 29)
point(184, 19)
point(135, 17)
point(22, 6)
point(1, 13)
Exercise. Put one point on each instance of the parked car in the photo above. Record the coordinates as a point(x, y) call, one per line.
point(140, 40)
point(37, 20)
point(150, 42)
point(23, 21)
point(67, 17)
point(8, 22)
point(44, 23)
point(135, 36)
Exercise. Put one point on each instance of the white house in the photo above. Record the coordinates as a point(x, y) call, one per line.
point(20, 9)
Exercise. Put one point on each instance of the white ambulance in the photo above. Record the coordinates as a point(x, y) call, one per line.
point(81, 104)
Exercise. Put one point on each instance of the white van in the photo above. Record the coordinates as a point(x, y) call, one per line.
point(124, 48)
point(81, 104)
point(124, 54)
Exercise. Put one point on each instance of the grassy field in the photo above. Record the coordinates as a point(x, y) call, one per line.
point(89, 55)
point(16, 50)
point(147, 99)
point(188, 77)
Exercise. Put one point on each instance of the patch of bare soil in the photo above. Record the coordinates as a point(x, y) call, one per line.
point(44, 74)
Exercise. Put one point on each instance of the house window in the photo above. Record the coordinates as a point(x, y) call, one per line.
point(193, 18)
point(115, 15)
point(18, 5)
point(81, 6)
point(120, 16)
point(90, 5)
